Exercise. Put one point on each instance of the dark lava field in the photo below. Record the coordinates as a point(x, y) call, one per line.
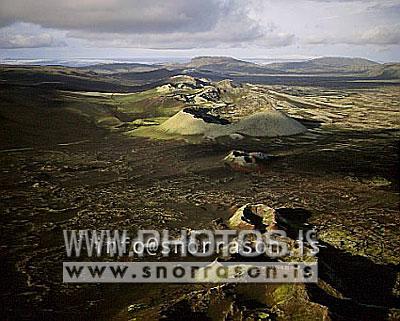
point(71, 159)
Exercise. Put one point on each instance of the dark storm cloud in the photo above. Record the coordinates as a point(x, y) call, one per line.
point(190, 24)
point(159, 24)
point(122, 16)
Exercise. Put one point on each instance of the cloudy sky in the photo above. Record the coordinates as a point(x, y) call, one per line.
point(183, 28)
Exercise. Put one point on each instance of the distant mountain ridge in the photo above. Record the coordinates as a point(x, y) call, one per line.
point(386, 71)
point(326, 65)
point(201, 61)
point(341, 61)
point(226, 64)
point(225, 67)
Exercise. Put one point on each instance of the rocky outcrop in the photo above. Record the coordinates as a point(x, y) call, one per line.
point(205, 115)
point(244, 301)
point(216, 303)
point(288, 301)
point(263, 218)
point(285, 301)
point(246, 162)
point(258, 216)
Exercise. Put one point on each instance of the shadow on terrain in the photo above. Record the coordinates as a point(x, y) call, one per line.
point(365, 286)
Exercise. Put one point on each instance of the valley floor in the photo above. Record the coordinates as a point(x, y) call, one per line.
point(345, 175)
